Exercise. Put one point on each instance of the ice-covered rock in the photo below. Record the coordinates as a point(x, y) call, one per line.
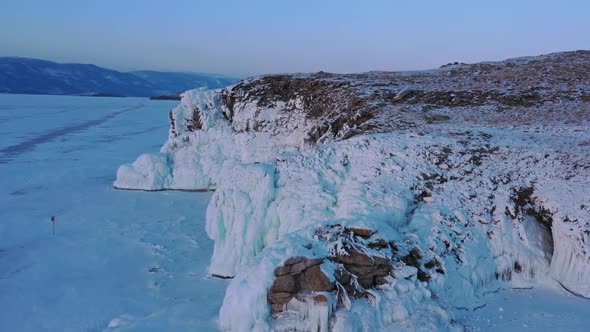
point(148, 172)
point(241, 216)
point(409, 215)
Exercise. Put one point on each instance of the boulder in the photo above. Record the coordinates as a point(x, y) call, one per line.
point(360, 270)
point(363, 271)
point(279, 297)
point(380, 260)
point(286, 284)
point(304, 264)
point(294, 260)
point(366, 282)
point(282, 270)
point(362, 232)
point(313, 279)
point(320, 298)
point(356, 258)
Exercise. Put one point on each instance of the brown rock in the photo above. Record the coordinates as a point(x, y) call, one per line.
point(286, 284)
point(366, 282)
point(343, 276)
point(380, 260)
point(282, 270)
point(356, 258)
point(362, 232)
point(382, 270)
point(360, 270)
point(320, 298)
point(299, 267)
point(294, 260)
point(363, 271)
point(314, 280)
point(380, 280)
point(279, 297)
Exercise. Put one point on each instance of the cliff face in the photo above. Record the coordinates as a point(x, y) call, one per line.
point(325, 107)
point(496, 93)
point(439, 186)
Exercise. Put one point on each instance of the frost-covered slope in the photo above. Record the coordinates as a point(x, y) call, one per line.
point(415, 193)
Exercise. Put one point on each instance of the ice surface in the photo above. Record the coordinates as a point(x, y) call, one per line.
point(133, 261)
point(527, 310)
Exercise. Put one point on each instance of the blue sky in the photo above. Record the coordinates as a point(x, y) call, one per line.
point(251, 37)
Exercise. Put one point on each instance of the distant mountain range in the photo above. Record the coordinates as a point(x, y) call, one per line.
point(34, 76)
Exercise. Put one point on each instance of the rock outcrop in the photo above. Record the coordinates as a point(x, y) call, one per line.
point(296, 277)
point(358, 264)
point(386, 200)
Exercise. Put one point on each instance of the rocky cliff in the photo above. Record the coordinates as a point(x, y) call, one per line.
point(386, 200)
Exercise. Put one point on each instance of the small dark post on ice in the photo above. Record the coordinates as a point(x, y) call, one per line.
point(53, 223)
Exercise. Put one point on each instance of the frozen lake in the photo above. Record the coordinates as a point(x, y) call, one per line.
point(133, 259)
point(136, 260)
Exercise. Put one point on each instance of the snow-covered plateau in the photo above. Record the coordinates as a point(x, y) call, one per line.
point(387, 200)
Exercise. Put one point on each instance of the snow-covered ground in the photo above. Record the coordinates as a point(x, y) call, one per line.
point(133, 260)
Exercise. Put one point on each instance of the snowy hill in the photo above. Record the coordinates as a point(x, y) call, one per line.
point(33, 76)
point(386, 200)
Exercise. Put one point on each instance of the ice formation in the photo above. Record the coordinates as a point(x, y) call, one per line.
point(469, 181)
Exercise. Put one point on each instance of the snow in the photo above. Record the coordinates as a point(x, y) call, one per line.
point(136, 261)
point(472, 201)
point(120, 260)
point(452, 191)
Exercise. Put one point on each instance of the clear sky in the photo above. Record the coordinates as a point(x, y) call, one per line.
point(251, 37)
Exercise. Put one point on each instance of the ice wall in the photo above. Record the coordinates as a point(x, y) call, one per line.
point(570, 266)
point(241, 217)
point(203, 141)
point(471, 225)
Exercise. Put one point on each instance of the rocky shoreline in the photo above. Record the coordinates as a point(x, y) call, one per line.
point(382, 200)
